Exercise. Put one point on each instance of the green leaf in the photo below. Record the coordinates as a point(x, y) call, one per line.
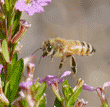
point(14, 59)
point(7, 89)
point(2, 59)
point(16, 23)
point(2, 36)
point(40, 91)
point(9, 71)
point(24, 103)
point(105, 105)
point(2, 79)
point(41, 102)
point(10, 68)
point(10, 4)
point(67, 91)
point(75, 95)
point(14, 46)
point(2, 105)
point(5, 50)
point(7, 5)
point(2, 76)
point(35, 86)
point(58, 103)
point(15, 79)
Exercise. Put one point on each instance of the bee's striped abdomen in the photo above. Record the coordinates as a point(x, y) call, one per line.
point(87, 49)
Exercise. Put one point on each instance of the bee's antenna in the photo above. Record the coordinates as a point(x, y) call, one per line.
point(36, 50)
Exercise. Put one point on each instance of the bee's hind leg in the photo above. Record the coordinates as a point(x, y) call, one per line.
point(73, 66)
point(61, 63)
point(53, 56)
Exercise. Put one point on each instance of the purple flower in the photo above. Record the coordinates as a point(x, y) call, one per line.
point(100, 91)
point(51, 79)
point(1, 66)
point(89, 88)
point(31, 7)
point(25, 84)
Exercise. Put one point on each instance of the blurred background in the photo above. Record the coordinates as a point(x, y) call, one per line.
point(84, 20)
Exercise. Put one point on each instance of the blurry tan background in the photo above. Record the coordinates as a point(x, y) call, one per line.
point(84, 20)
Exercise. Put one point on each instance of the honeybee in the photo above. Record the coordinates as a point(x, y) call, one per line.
point(58, 47)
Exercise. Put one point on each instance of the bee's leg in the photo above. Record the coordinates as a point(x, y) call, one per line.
point(73, 66)
point(53, 55)
point(61, 63)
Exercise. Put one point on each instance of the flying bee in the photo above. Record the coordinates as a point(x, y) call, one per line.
point(58, 47)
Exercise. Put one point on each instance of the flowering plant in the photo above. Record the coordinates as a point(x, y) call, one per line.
point(31, 92)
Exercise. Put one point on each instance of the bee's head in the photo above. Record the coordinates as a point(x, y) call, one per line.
point(47, 48)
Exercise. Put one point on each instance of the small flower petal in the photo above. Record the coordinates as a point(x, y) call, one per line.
point(34, 6)
point(44, 2)
point(20, 5)
point(65, 74)
point(88, 88)
point(51, 79)
point(25, 84)
point(106, 84)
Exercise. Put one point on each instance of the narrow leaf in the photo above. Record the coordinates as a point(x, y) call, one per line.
point(35, 86)
point(7, 5)
point(16, 23)
point(24, 103)
point(2, 36)
point(41, 102)
point(67, 91)
point(10, 68)
point(15, 79)
point(58, 103)
point(2, 79)
point(105, 105)
point(14, 60)
point(76, 94)
point(5, 50)
point(40, 91)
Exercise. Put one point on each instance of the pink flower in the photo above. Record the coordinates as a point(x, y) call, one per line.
point(51, 79)
point(89, 88)
point(31, 7)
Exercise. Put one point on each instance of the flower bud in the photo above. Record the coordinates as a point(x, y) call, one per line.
point(23, 28)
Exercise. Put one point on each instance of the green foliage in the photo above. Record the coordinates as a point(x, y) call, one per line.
point(39, 97)
point(70, 96)
point(41, 102)
point(35, 86)
point(58, 103)
point(14, 80)
point(5, 50)
point(2, 36)
point(105, 105)
point(10, 67)
point(67, 91)
point(16, 23)
point(7, 5)
point(24, 103)
point(2, 79)
point(2, 59)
